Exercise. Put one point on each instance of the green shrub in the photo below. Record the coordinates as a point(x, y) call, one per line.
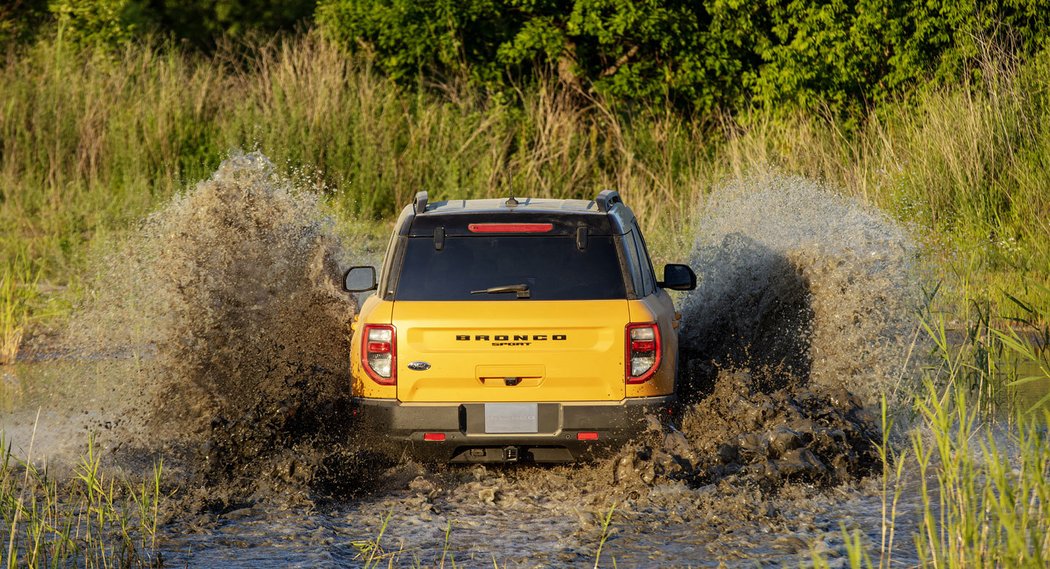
point(98, 22)
point(409, 37)
point(700, 56)
point(19, 19)
point(113, 23)
point(201, 22)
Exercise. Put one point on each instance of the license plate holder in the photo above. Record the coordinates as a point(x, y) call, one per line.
point(507, 418)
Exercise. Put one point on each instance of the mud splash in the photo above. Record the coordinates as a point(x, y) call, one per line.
point(805, 315)
point(802, 287)
point(226, 319)
point(741, 433)
point(231, 294)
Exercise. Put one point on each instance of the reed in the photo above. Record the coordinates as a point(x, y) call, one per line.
point(18, 291)
point(983, 480)
point(90, 520)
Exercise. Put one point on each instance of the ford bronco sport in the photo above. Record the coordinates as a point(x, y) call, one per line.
point(513, 329)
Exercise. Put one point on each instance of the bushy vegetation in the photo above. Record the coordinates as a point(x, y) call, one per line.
point(100, 125)
point(698, 56)
point(111, 24)
point(20, 19)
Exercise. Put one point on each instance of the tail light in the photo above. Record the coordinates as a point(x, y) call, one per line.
point(643, 351)
point(379, 353)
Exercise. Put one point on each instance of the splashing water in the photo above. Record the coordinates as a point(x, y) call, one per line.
point(233, 290)
point(802, 287)
point(804, 316)
point(227, 300)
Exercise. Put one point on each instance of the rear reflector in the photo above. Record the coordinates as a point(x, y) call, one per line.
point(587, 436)
point(378, 347)
point(436, 437)
point(510, 227)
point(643, 346)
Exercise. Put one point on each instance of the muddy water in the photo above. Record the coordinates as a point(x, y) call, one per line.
point(671, 527)
point(215, 341)
point(1028, 396)
point(521, 515)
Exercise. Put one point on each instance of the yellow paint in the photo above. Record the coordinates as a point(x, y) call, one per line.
point(515, 350)
point(657, 308)
point(373, 311)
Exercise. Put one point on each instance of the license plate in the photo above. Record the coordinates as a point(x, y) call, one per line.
point(511, 418)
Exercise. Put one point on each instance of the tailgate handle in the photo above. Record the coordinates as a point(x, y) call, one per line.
point(511, 381)
point(509, 375)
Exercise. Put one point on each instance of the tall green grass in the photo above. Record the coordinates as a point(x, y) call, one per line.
point(982, 483)
point(984, 491)
point(18, 290)
point(90, 520)
point(91, 142)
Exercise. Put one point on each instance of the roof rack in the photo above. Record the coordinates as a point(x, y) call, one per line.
point(606, 199)
point(421, 202)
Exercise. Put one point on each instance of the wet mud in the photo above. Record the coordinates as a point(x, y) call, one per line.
point(226, 311)
point(801, 287)
point(743, 434)
point(228, 301)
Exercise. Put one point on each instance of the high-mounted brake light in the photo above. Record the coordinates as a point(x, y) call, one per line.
point(379, 353)
point(510, 227)
point(642, 344)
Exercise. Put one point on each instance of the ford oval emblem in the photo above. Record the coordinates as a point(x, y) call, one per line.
point(419, 366)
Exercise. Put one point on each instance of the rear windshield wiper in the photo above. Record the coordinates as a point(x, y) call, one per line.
point(522, 290)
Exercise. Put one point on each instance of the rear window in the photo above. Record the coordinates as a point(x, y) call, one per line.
point(552, 268)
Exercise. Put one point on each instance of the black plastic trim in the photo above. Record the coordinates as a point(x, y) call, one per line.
point(421, 202)
point(607, 199)
point(396, 428)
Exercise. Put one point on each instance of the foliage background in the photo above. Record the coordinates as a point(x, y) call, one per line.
point(700, 56)
point(938, 113)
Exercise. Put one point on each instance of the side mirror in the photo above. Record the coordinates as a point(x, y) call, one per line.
point(359, 279)
point(678, 277)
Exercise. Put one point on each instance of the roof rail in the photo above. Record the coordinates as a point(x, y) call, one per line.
point(421, 202)
point(606, 199)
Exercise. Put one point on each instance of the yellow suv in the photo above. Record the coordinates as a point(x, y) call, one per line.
point(500, 330)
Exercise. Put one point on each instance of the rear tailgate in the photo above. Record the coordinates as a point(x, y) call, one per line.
point(510, 351)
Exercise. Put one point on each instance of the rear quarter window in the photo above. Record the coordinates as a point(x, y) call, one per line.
point(550, 265)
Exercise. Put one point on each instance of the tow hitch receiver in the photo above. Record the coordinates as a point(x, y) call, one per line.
point(510, 454)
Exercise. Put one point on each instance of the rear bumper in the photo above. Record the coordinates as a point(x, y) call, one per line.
point(396, 429)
